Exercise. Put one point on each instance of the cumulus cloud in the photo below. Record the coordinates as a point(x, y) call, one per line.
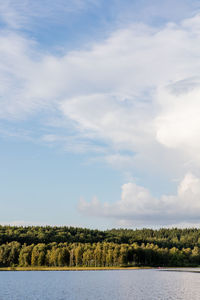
point(118, 90)
point(136, 90)
point(138, 207)
point(178, 123)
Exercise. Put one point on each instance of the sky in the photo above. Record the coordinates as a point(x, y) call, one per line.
point(99, 113)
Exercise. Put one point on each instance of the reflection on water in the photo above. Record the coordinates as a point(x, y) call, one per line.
point(96, 285)
point(190, 270)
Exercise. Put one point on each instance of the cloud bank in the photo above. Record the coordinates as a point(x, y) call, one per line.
point(138, 207)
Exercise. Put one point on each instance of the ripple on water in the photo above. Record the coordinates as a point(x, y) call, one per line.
point(100, 285)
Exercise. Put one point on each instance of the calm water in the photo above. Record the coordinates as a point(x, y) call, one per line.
point(96, 285)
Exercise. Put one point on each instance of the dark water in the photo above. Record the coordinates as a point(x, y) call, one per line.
point(96, 285)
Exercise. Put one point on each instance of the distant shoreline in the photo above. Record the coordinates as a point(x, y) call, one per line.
point(172, 269)
point(71, 268)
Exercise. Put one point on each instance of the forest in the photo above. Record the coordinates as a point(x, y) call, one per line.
point(80, 247)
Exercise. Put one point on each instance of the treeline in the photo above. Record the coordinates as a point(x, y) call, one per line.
point(48, 234)
point(95, 255)
point(163, 238)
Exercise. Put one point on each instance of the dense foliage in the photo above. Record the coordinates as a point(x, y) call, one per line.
point(69, 246)
point(48, 234)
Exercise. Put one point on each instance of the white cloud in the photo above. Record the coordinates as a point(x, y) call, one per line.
point(138, 207)
point(133, 90)
point(73, 144)
point(21, 14)
point(128, 88)
point(178, 124)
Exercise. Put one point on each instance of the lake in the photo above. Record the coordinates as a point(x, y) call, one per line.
point(95, 285)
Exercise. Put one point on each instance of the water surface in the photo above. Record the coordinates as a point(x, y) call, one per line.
point(99, 285)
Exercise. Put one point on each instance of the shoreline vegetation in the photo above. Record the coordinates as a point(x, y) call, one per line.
point(70, 248)
point(47, 268)
point(71, 269)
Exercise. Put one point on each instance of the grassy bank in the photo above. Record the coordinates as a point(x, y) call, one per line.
point(69, 268)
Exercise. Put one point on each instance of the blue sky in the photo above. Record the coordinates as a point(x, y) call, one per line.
point(99, 113)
